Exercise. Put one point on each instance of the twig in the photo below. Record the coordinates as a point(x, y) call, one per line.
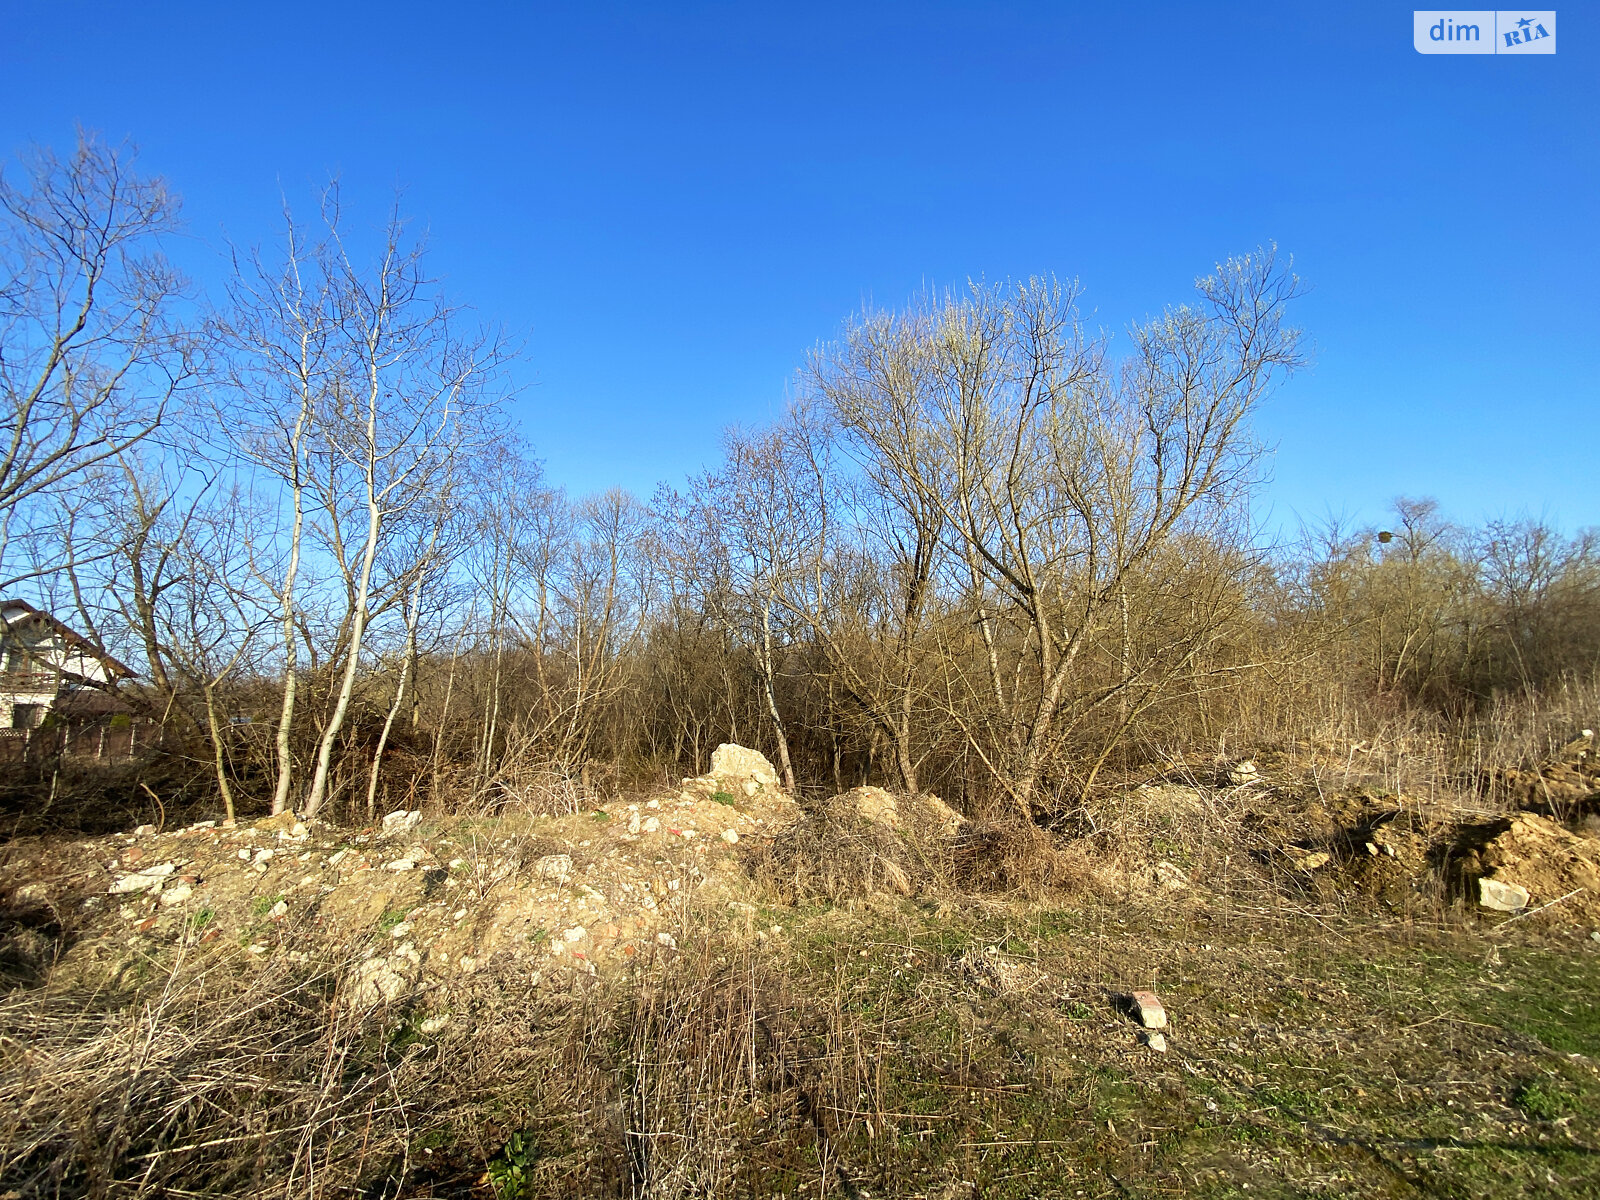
point(161, 809)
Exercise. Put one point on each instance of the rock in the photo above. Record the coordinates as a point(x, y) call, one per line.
point(1545, 859)
point(635, 822)
point(731, 836)
point(278, 911)
point(576, 934)
point(144, 831)
point(1146, 1008)
point(282, 822)
point(735, 767)
point(31, 893)
point(176, 894)
point(667, 940)
point(1242, 773)
point(1156, 1042)
point(434, 1024)
point(148, 880)
point(375, 982)
point(650, 825)
point(1502, 897)
point(401, 822)
point(556, 868)
point(400, 864)
point(1306, 860)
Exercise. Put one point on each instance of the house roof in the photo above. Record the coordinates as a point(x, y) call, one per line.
point(9, 609)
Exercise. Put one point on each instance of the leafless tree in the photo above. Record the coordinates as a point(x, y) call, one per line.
point(1058, 474)
point(91, 357)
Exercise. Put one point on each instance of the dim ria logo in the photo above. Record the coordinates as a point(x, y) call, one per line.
point(1484, 32)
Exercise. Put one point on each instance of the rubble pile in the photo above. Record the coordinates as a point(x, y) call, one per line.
point(564, 895)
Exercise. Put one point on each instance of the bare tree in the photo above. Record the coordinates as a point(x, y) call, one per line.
point(366, 395)
point(90, 358)
point(1057, 473)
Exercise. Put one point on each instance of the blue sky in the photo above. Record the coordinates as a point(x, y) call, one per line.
point(673, 202)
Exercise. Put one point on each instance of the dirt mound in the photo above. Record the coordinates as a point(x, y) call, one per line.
point(1549, 862)
point(558, 896)
point(1566, 788)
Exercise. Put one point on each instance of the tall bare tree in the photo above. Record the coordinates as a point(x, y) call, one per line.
point(1058, 474)
point(91, 357)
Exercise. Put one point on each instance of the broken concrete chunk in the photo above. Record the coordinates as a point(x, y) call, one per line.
point(735, 766)
point(401, 822)
point(1147, 1010)
point(1243, 773)
point(176, 894)
point(148, 880)
point(375, 982)
point(557, 868)
point(1502, 897)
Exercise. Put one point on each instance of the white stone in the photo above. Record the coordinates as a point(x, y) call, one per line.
point(557, 868)
point(278, 911)
point(148, 880)
point(400, 864)
point(667, 940)
point(376, 982)
point(401, 821)
point(144, 831)
point(576, 934)
point(634, 821)
point(176, 894)
point(435, 1024)
point(650, 825)
point(1243, 773)
point(737, 766)
point(1156, 1042)
point(1502, 897)
point(731, 836)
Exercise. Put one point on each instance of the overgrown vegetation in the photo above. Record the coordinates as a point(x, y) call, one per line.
point(890, 1053)
point(989, 551)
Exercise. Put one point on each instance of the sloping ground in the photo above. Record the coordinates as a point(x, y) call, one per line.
point(553, 894)
point(714, 993)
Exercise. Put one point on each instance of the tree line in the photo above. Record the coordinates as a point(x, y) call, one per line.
point(989, 549)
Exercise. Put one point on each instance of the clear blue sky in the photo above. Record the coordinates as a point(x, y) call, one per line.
point(674, 201)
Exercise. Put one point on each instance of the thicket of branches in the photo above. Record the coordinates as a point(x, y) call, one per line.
point(989, 550)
